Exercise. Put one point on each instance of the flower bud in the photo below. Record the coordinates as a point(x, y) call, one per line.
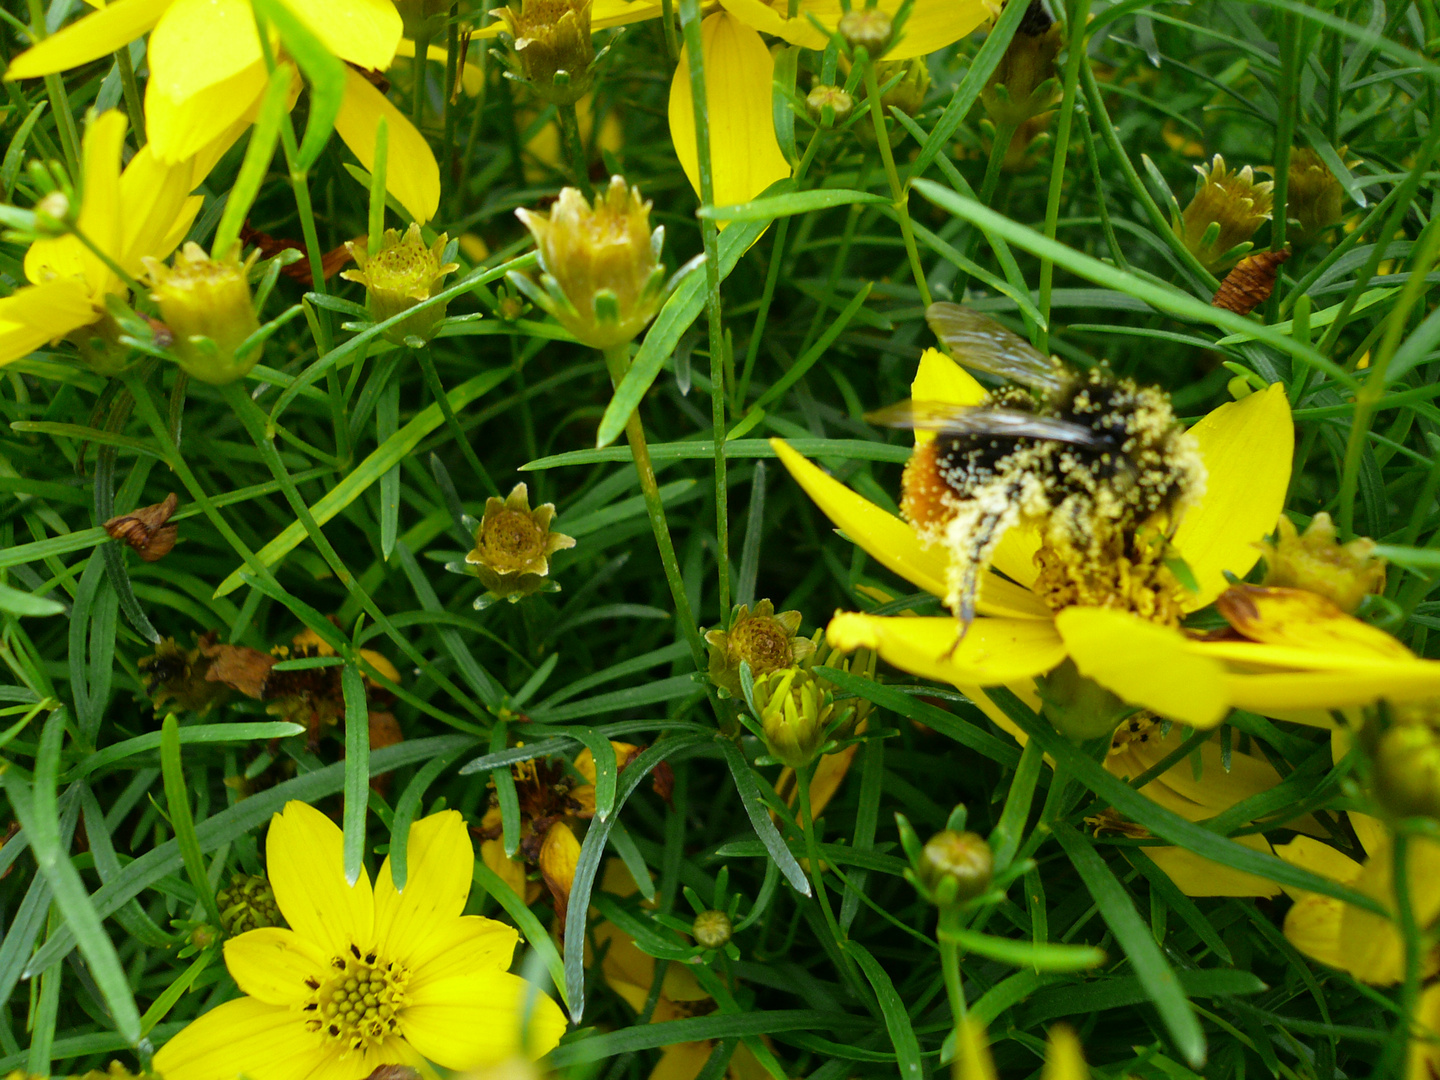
point(400, 275)
point(1223, 215)
point(602, 278)
point(956, 866)
point(53, 215)
point(1023, 84)
point(794, 710)
point(206, 304)
point(711, 929)
point(821, 96)
point(867, 28)
point(553, 49)
point(907, 95)
point(762, 639)
point(1080, 708)
point(513, 545)
point(1407, 769)
point(1343, 573)
point(422, 18)
point(1314, 199)
point(248, 904)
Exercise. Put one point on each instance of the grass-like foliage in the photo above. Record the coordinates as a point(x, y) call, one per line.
point(454, 488)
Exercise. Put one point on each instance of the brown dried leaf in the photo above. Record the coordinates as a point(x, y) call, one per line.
point(1251, 282)
point(145, 529)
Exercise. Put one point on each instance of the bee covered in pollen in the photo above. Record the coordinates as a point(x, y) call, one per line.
point(1098, 468)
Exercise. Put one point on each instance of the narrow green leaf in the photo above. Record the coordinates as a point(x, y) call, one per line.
point(1042, 956)
point(1151, 967)
point(323, 70)
point(796, 202)
point(406, 808)
point(27, 604)
point(177, 802)
point(694, 1029)
point(387, 422)
point(534, 931)
point(759, 817)
point(357, 770)
point(258, 154)
point(853, 449)
point(897, 1019)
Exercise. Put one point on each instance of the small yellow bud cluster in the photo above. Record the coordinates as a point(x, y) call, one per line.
point(399, 276)
point(248, 904)
point(764, 640)
point(711, 929)
point(553, 51)
point(513, 545)
point(1314, 561)
point(1227, 208)
point(796, 710)
point(206, 304)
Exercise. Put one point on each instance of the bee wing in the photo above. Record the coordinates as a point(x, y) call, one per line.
point(950, 419)
point(980, 342)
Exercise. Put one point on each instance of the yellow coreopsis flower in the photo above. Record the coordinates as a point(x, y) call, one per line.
point(208, 75)
point(745, 156)
point(1246, 449)
point(1340, 935)
point(142, 212)
point(366, 976)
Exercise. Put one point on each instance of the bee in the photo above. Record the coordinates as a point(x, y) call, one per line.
point(1097, 465)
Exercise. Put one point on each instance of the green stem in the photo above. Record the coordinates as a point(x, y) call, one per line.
point(1079, 12)
point(617, 359)
point(898, 191)
point(134, 104)
point(710, 235)
point(817, 877)
point(950, 966)
point(1409, 927)
point(574, 147)
point(437, 389)
point(667, 18)
point(417, 73)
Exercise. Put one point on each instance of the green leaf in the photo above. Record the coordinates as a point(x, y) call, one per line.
point(256, 164)
point(357, 770)
point(1152, 969)
point(526, 920)
point(26, 604)
point(200, 733)
point(796, 202)
point(1040, 955)
point(1087, 998)
point(759, 816)
point(390, 453)
point(406, 808)
point(323, 70)
point(177, 802)
point(694, 1029)
point(897, 1019)
point(853, 449)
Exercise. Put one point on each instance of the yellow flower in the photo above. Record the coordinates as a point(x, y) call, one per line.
point(1246, 448)
point(745, 155)
point(1367, 945)
point(1424, 1055)
point(1064, 1059)
point(208, 76)
point(439, 979)
point(142, 212)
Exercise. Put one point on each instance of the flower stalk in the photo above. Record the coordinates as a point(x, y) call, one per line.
point(898, 191)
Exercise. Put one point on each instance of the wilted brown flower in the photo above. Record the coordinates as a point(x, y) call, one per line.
point(145, 530)
point(173, 674)
point(1251, 282)
point(1023, 84)
point(1222, 217)
point(1315, 561)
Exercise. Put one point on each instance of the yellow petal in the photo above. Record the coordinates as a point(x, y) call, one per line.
point(90, 38)
point(1247, 446)
point(511, 871)
point(241, 1037)
point(35, 314)
point(158, 209)
point(468, 1021)
point(1284, 692)
point(272, 964)
point(1423, 1061)
point(559, 854)
point(439, 865)
point(1198, 876)
point(1305, 620)
point(972, 1052)
point(1177, 788)
point(1312, 925)
point(464, 946)
point(184, 127)
point(199, 43)
point(1063, 1057)
point(1145, 664)
point(745, 156)
point(1024, 690)
point(607, 13)
point(994, 651)
point(1310, 854)
point(893, 544)
point(305, 856)
point(364, 32)
point(829, 775)
point(932, 25)
point(411, 174)
point(682, 1061)
point(100, 209)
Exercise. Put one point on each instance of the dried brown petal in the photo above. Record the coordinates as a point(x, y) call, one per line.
point(1251, 282)
point(145, 529)
point(238, 666)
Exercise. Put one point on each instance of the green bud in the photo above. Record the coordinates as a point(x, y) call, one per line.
point(1407, 770)
point(248, 904)
point(795, 709)
point(402, 273)
point(711, 929)
point(207, 306)
point(956, 866)
point(867, 28)
point(1080, 708)
point(840, 103)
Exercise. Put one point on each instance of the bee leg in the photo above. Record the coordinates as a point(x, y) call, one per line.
point(967, 608)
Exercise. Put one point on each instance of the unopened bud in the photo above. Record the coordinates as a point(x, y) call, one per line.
point(553, 49)
point(1314, 198)
point(795, 710)
point(956, 866)
point(835, 98)
point(1407, 770)
point(1343, 573)
point(711, 929)
point(207, 306)
point(248, 904)
point(907, 95)
point(602, 278)
point(1023, 84)
point(867, 28)
point(1227, 208)
point(1080, 708)
point(52, 215)
point(400, 275)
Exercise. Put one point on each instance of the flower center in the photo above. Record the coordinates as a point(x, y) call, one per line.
point(1136, 729)
point(511, 541)
point(1126, 576)
point(762, 642)
point(359, 1005)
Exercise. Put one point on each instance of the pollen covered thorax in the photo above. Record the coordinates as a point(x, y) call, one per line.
point(359, 1004)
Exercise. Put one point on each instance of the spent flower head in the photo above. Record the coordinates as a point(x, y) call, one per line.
point(764, 640)
point(1227, 208)
point(1314, 199)
point(867, 28)
point(553, 51)
point(513, 545)
point(601, 275)
point(1315, 561)
point(400, 275)
point(206, 304)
